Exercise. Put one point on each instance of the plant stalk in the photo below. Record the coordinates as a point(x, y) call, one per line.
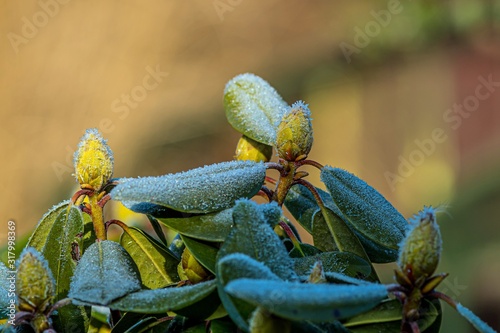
point(97, 217)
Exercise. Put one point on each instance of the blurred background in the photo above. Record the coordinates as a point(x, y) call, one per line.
point(405, 94)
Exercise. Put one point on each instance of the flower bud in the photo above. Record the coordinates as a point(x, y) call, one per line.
point(34, 282)
point(294, 137)
point(190, 269)
point(93, 160)
point(317, 274)
point(421, 249)
point(251, 150)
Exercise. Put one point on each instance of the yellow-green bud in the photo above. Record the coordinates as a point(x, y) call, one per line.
point(262, 321)
point(41, 323)
point(190, 269)
point(34, 282)
point(421, 249)
point(93, 160)
point(317, 274)
point(294, 137)
point(251, 150)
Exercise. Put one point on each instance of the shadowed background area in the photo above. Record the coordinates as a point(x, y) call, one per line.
point(406, 95)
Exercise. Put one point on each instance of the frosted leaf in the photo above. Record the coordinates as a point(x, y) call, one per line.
point(305, 301)
point(4, 290)
point(44, 226)
point(235, 266)
point(253, 107)
point(372, 217)
point(253, 235)
point(203, 190)
point(478, 324)
point(104, 273)
point(163, 300)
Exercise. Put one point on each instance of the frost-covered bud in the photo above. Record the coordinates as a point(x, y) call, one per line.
point(93, 160)
point(35, 284)
point(251, 150)
point(294, 137)
point(421, 249)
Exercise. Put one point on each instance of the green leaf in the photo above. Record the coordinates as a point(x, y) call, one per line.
point(253, 235)
point(155, 210)
point(213, 227)
point(205, 253)
point(478, 324)
point(344, 238)
point(203, 308)
point(341, 262)
point(158, 230)
point(386, 311)
point(322, 235)
point(382, 227)
point(222, 326)
point(307, 250)
point(301, 204)
point(386, 317)
point(38, 239)
point(105, 273)
point(157, 266)
point(165, 299)
point(53, 238)
point(253, 107)
point(202, 190)
point(314, 302)
point(127, 320)
point(235, 266)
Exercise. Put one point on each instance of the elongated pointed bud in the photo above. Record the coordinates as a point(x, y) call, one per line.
point(251, 150)
point(294, 137)
point(421, 249)
point(317, 274)
point(34, 282)
point(93, 160)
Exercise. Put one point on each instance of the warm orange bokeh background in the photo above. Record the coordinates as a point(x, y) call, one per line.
point(66, 67)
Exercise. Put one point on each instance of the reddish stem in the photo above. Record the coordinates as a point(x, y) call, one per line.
point(271, 180)
point(80, 193)
point(266, 193)
point(104, 200)
point(309, 162)
point(444, 297)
